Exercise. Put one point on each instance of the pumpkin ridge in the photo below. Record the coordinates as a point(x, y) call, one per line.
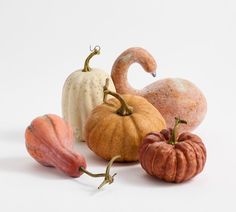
point(154, 158)
point(190, 165)
point(89, 127)
point(144, 161)
point(164, 161)
point(142, 150)
point(196, 159)
point(201, 145)
point(202, 153)
point(123, 138)
point(176, 166)
point(179, 153)
point(143, 155)
point(187, 164)
point(173, 164)
point(196, 156)
point(165, 164)
point(100, 130)
point(135, 125)
point(203, 150)
point(111, 138)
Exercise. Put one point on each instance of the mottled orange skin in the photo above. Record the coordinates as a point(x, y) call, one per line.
point(109, 134)
point(173, 97)
point(49, 140)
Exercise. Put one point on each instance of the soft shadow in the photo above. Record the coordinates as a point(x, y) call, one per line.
point(25, 166)
point(12, 135)
point(95, 160)
point(136, 176)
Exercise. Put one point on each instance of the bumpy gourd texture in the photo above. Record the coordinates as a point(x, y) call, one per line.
point(109, 134)
point(172, 163)
point(82, 92)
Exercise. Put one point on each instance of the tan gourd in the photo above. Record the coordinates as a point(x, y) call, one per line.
point(173, 97)
point(82, 91)
point(118, 126)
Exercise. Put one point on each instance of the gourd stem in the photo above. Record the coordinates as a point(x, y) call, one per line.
point(95, 51)
point(108, 179)
point(125, 109)
point(173, 139)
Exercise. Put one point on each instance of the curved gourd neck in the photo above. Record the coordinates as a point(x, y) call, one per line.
point(122, 64)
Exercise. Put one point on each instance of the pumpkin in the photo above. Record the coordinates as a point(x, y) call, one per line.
point(173, 97)
point(49, 140)
point(171, 158)
point(118, 126)
point(83, 91)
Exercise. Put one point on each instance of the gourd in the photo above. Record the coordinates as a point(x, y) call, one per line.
point(173, 97)
point(82, 91)
point(171, 158)
point(49, 140)
point(118, 126)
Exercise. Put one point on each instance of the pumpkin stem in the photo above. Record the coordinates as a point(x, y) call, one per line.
point(173, 139)
point(94, 51)
point(108, 179)
point(125, 109)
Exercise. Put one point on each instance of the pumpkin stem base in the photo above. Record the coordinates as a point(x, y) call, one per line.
point(125, 109)
point(94, 51)
point(173, 139)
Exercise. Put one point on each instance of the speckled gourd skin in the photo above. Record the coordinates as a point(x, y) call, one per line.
point(82, 92)
point(173, 97)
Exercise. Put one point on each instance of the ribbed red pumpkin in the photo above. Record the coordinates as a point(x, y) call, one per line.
point(172, 159)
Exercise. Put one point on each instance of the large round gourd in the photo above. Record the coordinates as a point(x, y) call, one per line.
point(82, 91)
point(173, 97)
point(118, 126)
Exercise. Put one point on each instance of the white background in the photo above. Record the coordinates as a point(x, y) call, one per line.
point(42, 42)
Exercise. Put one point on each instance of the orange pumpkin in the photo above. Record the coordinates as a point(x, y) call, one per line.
point(118, 126)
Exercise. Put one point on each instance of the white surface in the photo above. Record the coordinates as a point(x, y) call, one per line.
point(42, 42)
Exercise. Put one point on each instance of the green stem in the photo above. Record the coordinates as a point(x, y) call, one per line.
point(108, 179)
point(173, 139)
point(95, 51)
point(125, 109)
